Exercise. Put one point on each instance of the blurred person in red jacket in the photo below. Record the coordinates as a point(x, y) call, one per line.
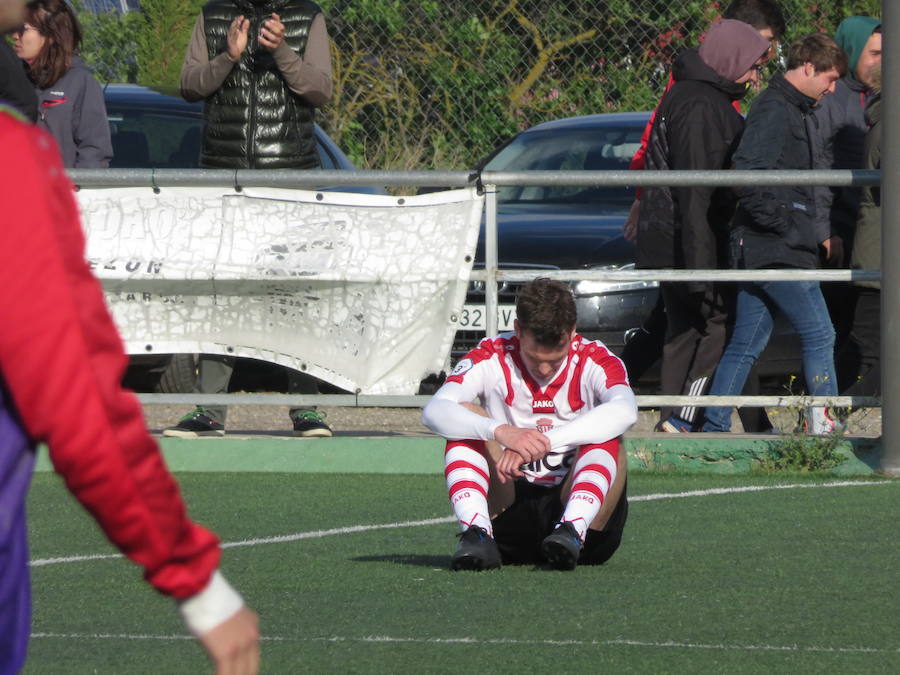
point(61, 362)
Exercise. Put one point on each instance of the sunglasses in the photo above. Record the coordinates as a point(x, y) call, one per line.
point(25, 27)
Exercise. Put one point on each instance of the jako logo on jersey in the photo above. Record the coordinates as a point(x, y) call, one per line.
point(542, 405)
point(544, 425)
point(463, 366)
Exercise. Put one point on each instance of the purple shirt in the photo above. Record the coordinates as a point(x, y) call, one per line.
point(16, 464)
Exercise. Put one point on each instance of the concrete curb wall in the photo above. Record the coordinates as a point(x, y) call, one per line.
point(707, 453)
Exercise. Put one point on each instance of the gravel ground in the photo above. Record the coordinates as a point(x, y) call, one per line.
point(273, 420)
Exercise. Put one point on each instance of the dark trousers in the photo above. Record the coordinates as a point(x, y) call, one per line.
point(214, 373)
point(858, 361)
point(646, 348)
point(840, 297)
point(695, 340)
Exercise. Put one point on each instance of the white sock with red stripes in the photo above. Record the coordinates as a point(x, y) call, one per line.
point(468, 478)
point(595, 471)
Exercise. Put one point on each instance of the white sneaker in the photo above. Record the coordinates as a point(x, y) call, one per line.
point(819, 422)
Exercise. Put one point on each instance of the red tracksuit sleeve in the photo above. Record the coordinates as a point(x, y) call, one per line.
point(639, 161)
point(62, 360)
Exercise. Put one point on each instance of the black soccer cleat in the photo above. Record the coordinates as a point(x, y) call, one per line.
point(476, 550)
point(562, 547)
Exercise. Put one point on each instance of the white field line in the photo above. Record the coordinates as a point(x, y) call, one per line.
point(387, 639)
point(318, 534)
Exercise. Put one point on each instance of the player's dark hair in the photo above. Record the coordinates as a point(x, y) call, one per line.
point(819, 50)
point(546, 309)
point(760, 14)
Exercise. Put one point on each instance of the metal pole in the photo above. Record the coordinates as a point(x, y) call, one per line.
point(491, 326)
point(890, 239)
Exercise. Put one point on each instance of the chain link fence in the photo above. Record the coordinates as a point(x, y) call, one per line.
point(431, 84)
point(440, 84)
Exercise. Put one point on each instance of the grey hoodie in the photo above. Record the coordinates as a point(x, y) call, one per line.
point(73, 111)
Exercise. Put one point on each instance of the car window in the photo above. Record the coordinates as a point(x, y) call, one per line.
point(147, 139)
point(578, 149)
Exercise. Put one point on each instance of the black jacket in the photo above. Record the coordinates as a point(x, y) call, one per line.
point(15, 87)
point(254, 120)
point(841, 133)
point(775, 226)
point(867, 242)
point(696, 127)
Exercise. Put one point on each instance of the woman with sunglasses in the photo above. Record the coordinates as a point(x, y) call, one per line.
point(70, 100)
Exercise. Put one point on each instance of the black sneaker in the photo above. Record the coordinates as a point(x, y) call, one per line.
point(195, 423)
point(476, 550)
point(310, 424)
point(562, 547)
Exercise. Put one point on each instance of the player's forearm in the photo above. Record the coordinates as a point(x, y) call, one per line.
point(449, 419)
point(609, 420)
point(215, 604)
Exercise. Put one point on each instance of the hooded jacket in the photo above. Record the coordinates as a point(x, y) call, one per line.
point(867, 240)
point(774, 225)
point(61, 362)
point(840, 118)
point(696, 127)
point(73, 111)
point(15, 87)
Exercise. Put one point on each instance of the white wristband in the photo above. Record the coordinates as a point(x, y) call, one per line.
point(213, 605)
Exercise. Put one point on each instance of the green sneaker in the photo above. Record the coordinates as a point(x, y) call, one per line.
point(310, 424)
point(196, 423)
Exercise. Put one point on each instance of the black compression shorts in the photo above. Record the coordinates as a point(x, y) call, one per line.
point(520, 529)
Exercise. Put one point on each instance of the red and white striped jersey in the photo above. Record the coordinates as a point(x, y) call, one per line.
point(495, 374)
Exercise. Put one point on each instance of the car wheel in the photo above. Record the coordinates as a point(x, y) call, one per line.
point(179, 376)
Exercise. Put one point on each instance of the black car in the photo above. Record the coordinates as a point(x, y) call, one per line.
point(157, 129)
point(580, 228)
point(567, 227)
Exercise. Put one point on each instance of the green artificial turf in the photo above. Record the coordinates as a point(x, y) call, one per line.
point(800, 579)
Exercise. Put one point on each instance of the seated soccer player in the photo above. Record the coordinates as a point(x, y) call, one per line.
point(534, 471)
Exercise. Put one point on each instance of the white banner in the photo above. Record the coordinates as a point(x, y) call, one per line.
point(363, 291)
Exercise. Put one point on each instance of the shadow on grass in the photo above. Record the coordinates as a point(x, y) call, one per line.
point(440, 561)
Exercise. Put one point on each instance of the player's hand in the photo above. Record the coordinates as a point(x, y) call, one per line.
point(271, 34)
point(233, 645)
point(238, 32)
point(629, 229)
point(529, 444)
point(509, 467)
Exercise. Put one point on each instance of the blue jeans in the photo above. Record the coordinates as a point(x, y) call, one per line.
point(803, 305)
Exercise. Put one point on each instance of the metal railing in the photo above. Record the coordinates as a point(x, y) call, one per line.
point(489, 181)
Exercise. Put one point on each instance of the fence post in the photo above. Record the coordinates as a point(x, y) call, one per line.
point(890, 240)
point(491, 313)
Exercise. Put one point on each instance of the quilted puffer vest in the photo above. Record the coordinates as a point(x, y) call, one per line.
point(254, 121)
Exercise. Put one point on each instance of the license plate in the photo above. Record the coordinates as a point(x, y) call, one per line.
point(472, 317)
